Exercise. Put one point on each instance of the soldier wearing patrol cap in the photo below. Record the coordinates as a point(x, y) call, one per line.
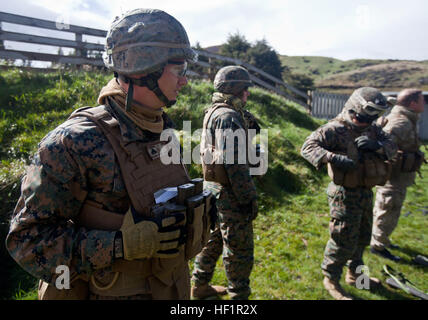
point(232, 183)
point(87, 200)
point(357, 153)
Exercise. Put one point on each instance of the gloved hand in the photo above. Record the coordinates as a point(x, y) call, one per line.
point(251, 209)
point(340, 161)
point(364, 143)
point(158, 237)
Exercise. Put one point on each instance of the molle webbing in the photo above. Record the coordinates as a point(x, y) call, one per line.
point(143, 174)
point(212, 171)
point(140, 164)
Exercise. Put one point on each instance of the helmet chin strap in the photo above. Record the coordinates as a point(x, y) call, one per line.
point(150, 81)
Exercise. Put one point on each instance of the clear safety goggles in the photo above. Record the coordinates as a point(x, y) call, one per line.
point(179, 68)
point(372, 108)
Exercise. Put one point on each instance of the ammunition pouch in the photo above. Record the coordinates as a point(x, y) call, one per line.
point(198, 219)
point(409, 161)
point(214, 170)
point(371, 171)
point(212, 159)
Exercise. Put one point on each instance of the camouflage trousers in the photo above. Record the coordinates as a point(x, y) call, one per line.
point(350, 229)
point(232, 237)
point(386, 212)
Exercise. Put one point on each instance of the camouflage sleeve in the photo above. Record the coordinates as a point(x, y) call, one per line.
point(237, 170)
point(318, 144)
point(389, 147)
point(251, 121)
point(42, 235)
point(399, 131)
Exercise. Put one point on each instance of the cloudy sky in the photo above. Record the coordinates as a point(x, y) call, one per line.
point(376, 29)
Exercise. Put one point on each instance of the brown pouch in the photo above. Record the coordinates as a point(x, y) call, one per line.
point(214, 170)
point(195, 226)
point(419, 160)
point(79, 290)
point(408, 162)
point(352, 179)
point(336, 175)
point(370, 169)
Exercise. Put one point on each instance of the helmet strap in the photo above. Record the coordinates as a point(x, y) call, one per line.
point(151, 82)
point(129, 97)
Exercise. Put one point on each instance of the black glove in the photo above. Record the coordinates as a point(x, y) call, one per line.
point(342, 162)
point(364, 143)
point(213, 213)
point(251, 121)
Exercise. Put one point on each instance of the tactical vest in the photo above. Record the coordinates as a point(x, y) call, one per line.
point(211, 158)
point(143, 174)
point(410, 159)
point(371, 170)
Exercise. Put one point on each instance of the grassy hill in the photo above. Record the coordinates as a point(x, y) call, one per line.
point(292, 227)
point(337, 74)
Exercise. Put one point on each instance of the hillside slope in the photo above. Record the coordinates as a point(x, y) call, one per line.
point(399, 74)
point(333, 73)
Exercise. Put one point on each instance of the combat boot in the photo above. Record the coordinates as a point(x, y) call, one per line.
point(336, 291)
point(385, 253)
point(206, 291)
point(351, 279)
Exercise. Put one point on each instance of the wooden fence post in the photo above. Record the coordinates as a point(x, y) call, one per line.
point(309, 101)
point(1, 41)
point(80, 52)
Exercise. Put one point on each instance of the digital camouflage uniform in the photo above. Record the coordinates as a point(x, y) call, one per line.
point(350, 208)
point(76, 165)
point(233, 235)
point(402, 126)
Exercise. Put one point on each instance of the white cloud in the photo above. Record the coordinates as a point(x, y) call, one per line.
point(340, 29)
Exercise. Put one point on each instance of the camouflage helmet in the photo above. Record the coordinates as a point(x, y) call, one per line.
point(143, 40)
point(232, 80)
point(367, 101)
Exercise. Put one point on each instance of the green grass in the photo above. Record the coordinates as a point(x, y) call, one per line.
point(292, 227)
point(320, 67)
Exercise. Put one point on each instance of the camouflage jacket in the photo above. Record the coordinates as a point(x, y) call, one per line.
point(241, 182)
point(402, 126)
point(335, 136)
point(74, 163)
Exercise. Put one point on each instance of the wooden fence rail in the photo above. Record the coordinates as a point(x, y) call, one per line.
point(80, 56)
point(81, 53)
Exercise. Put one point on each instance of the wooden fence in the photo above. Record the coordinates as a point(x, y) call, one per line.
point(81, 48)
point(325, 105)
point(258, 76)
